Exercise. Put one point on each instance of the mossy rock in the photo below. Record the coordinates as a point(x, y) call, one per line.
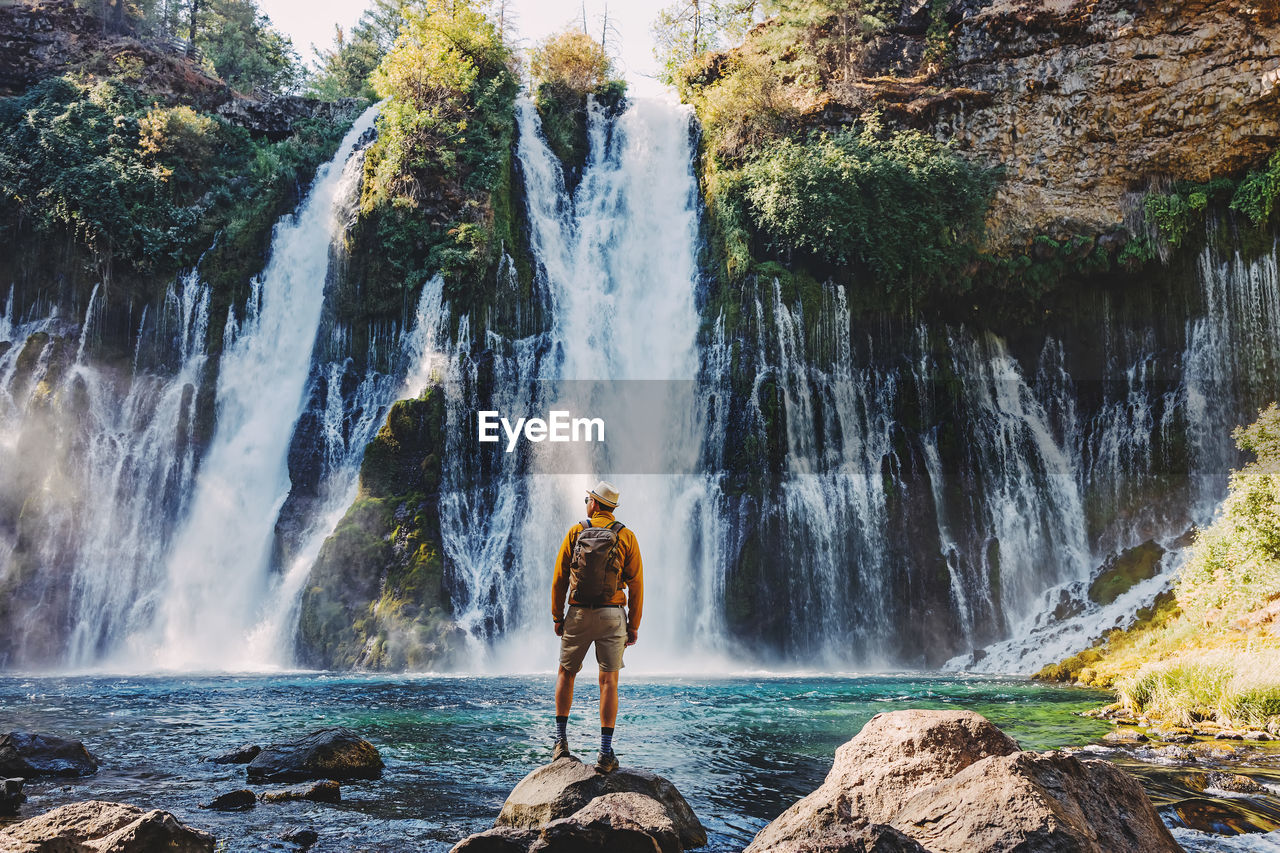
point(1123, 571)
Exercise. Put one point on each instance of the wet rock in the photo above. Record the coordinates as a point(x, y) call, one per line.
point(894, 756)
point(1213, 816)
point(619, 823)
point(1228, 734)
point(1256, 734)
point(32, 755)
point(500, 839)
point(11, 797)
point(239, 755)
point(332, 753)
point(1215, 750)
point(1124, 736)
point(232, 801)
point(108, 827)
point(1235, 783)
point(1273, 727)
point(304, 838)
point(1174, 754)
point(953, 783)
point(1036, 802)
point(1171, 734)
point(561, 788)
point(327, 791)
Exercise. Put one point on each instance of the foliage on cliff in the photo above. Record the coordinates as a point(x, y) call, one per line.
point(375, 598)
point(345, 69)
point(568, 68)
point(142, 188)
point(890, 207)
point(1213, 654)
point(437, 194)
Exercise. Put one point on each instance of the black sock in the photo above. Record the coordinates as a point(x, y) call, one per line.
point(562, 727)
point(606, 739)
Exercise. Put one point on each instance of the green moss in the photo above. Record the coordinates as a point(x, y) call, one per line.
point(1121, 572)
point(564, 121)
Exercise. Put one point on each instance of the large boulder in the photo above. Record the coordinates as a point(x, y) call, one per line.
point(951, 782)
point(28, 756)
point(333, 753)
point(563, 787)
point(1036, 802)
point(94, 826)
point(619, 823)
point(894, 756)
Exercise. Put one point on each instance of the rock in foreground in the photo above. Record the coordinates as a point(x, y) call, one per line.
point(568, 806)
point(333, 753)
point(11, 796)
point(29, 756)
point(951, 782)
point(101, 826)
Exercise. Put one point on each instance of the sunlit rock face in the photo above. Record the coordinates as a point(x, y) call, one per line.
point(1084, 104)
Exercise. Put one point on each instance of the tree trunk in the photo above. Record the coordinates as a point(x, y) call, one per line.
point(191, 33)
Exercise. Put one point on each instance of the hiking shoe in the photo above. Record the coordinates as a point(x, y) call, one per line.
point(561, 750)
point(607, 762)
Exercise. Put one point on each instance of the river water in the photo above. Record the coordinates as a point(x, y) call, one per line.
point(741, 749)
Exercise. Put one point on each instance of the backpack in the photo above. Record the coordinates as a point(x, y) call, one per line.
point(595, 569)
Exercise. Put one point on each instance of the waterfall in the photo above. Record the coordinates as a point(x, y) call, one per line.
point(217, 574)
point(100, 464)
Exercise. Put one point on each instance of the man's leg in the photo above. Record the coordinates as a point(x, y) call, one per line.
point(608, 717)
point(564, 702)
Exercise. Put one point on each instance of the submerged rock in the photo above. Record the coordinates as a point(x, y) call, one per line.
point(11, 797)
point(232, 801)
point(239, 755)
point(100, 826)
point(31, 755)
point(1215, 816)
point(327, 791)
point(332, 753)
point(951, 782)
point(304, 838)
point(568, 806)
point(1235, 783)
point(561, 788)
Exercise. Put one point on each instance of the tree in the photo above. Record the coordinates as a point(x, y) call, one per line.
point(689, 28)
point(243, 46)
point(571, 61)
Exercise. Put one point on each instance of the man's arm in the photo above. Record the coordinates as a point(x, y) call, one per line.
point(633, 573)
point(560, 577)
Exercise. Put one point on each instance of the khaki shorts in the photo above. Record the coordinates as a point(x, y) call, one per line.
point(604, 626)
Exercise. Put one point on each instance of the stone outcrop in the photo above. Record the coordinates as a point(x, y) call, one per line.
point(100, 826)
point(1084, 103)
point(29, 756)
point(951, 782)
point(569, 806)
point(274, 118)
point(332, 753)
point(894, 756)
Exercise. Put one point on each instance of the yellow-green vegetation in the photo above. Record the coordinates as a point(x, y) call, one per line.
point(1214, 652)
point(437, 192)
point(568, 68)
point(375, 598)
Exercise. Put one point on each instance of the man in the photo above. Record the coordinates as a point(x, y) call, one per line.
point(599, 556)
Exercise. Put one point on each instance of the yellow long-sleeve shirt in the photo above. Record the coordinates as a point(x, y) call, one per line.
point(632, 571)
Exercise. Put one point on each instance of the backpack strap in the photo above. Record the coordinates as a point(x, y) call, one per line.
point(616, 526)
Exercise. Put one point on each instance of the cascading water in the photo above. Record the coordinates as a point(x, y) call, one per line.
point(217, 573)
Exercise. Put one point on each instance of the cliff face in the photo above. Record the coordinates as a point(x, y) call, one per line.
point(1086, 105)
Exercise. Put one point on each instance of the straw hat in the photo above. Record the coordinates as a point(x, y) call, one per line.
point(605, 494)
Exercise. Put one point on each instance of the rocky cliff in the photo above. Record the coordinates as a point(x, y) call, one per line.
point(1084, 105)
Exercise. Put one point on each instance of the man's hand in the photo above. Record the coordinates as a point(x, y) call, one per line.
point(560, 628)
point(632, 636)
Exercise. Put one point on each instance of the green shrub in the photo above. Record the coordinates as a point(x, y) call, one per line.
point(900, 204)
point(1256, 196)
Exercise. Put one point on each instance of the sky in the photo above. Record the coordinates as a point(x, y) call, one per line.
point(310, 22)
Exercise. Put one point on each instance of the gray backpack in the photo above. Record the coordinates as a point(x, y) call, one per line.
point(595, 569)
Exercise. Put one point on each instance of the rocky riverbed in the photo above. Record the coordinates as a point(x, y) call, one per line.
point(739, 750)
